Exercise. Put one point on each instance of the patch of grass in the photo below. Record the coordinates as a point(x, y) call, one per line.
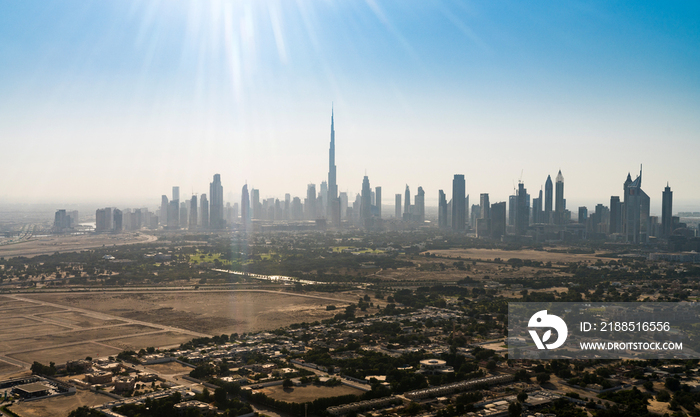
point(208, 257)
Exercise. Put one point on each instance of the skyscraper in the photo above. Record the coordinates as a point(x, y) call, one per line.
point(483, 222)
point(419, 210)
point(537, 213)
point(216, 206)
point(667, 211)
point(459, 189)
point(582, 215)
point(615, 215)
point(203, 211)
point(164, 209)
point(378, 191)
point(397, 206)
point(310, 202)
point(485, 206)
point(407, 204)
point(256, 205)
point(636, 211)
point(175, 207)
point(498, 220)
point(366, 205)
point(560, 202)
point(548, 218)
point(332, 205)
point(442, 210)
point(522, 210)
point(193, 213)
point(245, 206)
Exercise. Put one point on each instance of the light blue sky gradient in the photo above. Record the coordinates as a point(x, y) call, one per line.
point(116, 101)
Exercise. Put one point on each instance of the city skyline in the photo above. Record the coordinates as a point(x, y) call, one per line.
point(135, 99)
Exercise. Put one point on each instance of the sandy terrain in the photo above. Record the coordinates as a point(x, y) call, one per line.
point(170, 368)
point(63, 354)
point(221, 312)
point(308, 393)
point(51, 244)
point(59, 406)
point(8, 368)
point(157, 340)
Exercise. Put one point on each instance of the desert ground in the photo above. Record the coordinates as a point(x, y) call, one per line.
point(44, 245)
point(56, 327)
point(59, 406)
point(209, 312)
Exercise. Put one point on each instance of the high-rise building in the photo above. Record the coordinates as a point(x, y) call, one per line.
point(322, 200)
point(522, 211)
point(176, 207)
point(482, 223)
point(442, 210)
point(333, 205)
point(582, 215)
point(419, 210)
point(512, 204)
point(256, 205)
point(636, 211)
point(101, 221)
point(245, 206)
point(203, 211)
point(466, 208)
point(666, 211)
point(459, 212)
point(537, 213)
point(343, 201)
point(407, 204)
point(164, 209)
point(615, 215)
point(310, 202)
point(193, 213)
point(366, 205)
point(548, 216)
point(117, 220)
point(184, 219)
point(173, 215)
point(297, 209)
point(378, 203)
point(498, 220)
point(397, 206)
point(475, 216)
point(485, 206)
point(216, 206)
point(559, 202)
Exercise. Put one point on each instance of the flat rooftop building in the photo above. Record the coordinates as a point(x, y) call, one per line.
point(32, 390)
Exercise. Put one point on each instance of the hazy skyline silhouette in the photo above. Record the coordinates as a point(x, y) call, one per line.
point(117, 102)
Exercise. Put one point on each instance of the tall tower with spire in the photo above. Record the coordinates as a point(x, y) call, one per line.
point(559, 201)
point(333, 206)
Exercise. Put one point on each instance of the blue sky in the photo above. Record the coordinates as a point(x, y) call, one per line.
point(116, 101)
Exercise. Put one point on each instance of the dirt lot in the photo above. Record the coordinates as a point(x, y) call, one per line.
point(27, 343)
point(73, 318)
point(8, 368)
point(59, 406)
point(308, 393)
point(170, 368)
point(51, 244)
point(63, 354)
point(220, 312)
point(158, 340)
